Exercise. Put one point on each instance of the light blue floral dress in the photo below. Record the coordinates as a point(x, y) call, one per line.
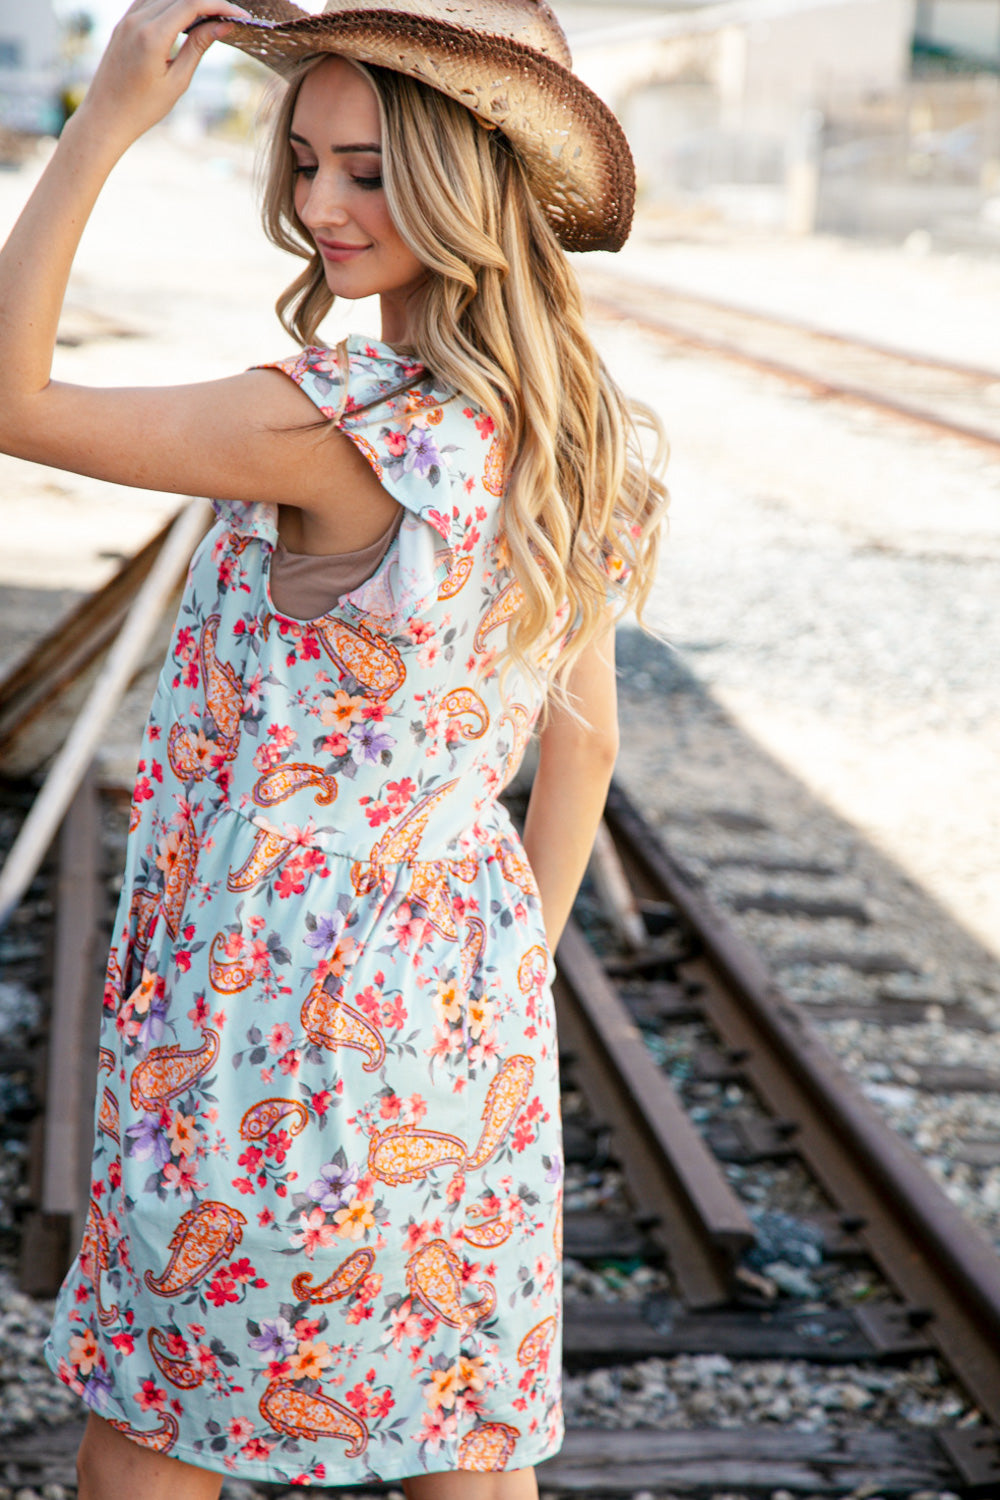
point(323, 1242)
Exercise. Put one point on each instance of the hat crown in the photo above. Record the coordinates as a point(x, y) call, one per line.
point(532, 23)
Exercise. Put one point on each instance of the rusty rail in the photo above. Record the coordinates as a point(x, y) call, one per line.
point(941, 1265)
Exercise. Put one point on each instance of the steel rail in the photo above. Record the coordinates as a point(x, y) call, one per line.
point(941, 1265)
point(686, 1203)
point(760, 315)
point(818, 383)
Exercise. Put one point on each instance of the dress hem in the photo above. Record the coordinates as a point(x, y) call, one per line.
point(269, 1474)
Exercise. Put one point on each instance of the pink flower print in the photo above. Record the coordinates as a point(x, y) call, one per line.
point(279, 1038)
point(437, 1428)
point(253, 692)
point(181, 1177)
point(399, 793)
point(396, 443)
point(406, 928)
point(316, 1233)
point(266, 757)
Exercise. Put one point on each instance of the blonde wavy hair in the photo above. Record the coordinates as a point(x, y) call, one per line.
point(501, 319)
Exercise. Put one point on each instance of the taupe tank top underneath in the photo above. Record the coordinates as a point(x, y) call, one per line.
point(305, 586)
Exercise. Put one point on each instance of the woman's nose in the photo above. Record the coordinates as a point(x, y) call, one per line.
point(322, 205)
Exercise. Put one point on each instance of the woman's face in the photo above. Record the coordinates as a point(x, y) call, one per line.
point(336, 139)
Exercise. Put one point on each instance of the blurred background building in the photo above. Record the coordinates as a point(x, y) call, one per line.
point(864, 117)
point(30, 66)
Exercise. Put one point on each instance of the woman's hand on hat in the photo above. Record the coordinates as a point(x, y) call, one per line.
point(143, 73)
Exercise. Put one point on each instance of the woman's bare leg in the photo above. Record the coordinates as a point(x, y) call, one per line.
point(113, 1467)
point(464, 1484)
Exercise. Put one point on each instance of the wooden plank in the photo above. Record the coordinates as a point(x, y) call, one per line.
point(597, 1236)
point(51, 682)
point(598, 1333)
point(895, 1012)
point(755, 1460)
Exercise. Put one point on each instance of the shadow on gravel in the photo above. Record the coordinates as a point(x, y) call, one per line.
point(761, 842)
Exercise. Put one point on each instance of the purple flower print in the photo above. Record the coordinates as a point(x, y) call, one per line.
point(153, 1025)
point(149, 1139)
point(328, 930)
point(97, 1391)
point(334, 1187)
point(275, 1339)
point(423, 454)
point(367, 744)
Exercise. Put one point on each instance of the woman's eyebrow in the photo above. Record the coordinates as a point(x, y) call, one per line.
point(351, 150)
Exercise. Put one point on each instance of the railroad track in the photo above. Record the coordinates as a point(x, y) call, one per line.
point(679, 1213)
point(947, 397)
point(756, 1087)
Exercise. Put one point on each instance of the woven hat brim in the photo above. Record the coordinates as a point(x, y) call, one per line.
point(574, 150)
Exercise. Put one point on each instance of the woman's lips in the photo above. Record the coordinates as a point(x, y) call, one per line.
point(334, 250)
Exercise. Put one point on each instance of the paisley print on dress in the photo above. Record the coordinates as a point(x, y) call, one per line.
point(323, 1239)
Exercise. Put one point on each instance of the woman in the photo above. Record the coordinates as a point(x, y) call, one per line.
point(324, 1231)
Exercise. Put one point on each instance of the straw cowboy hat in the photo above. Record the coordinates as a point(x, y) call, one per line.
point(506, 60)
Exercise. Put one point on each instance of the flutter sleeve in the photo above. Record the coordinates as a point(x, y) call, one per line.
point(391, 409)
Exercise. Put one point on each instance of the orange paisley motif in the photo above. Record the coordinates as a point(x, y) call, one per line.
point(503, 609)
point(532, 969)
point(107, 1119)
point(178, 879)
point(184, 1373)
point(515, 868)
point(484, 1233)
point(430, 889)
point(267, 853)
point(331, 1023)
point(161, 1439)
point(340, 1283)
point(193, 754)
point(404, 1153)
point(488, 1448)
point(434, 1275)
point(458, 577)
point(106, 1061)
point(94, 1249)
point(505, 1097)
point(227, 975)
point(284, 781)
point(223, 690)
point(142, 910)
point(519, 719)
point(261, 1118)
point(202, 1238)
point(167, 1072)
point(462, 703)
point(537, 1341)
point(299, 1415)
point(375, 663)
point(472, 952)
point(401, 841)
point(495, 470)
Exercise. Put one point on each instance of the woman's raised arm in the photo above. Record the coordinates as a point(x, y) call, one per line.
point(245, 438)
